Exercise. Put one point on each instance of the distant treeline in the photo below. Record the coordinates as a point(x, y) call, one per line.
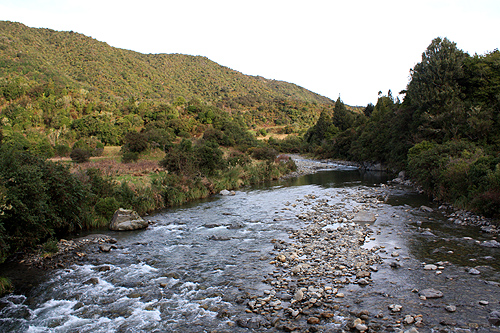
point(445, 132)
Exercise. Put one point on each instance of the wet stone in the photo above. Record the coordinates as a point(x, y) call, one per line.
point(430, 293)
point(450, 308)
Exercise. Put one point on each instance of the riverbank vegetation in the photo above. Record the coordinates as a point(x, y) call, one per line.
point(86, 128)
point(445, 132)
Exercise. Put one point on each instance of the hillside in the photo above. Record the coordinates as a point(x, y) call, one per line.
point(82, 62)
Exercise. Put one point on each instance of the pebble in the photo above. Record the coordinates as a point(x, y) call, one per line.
point(395, 307)
point(494, 318)
point(431, 293)
point(408, 320)
point(474, 271)
point(361, 327)
point(450, 308)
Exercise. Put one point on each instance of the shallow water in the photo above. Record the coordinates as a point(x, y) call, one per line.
point(189, 271)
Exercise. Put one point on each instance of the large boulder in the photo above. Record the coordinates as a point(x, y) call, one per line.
point(127, 219)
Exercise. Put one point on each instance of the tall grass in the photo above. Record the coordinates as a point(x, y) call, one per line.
point(5, 286)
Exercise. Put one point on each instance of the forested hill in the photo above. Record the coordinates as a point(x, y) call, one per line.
point(74, 60)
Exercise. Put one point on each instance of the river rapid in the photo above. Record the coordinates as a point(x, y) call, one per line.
point(336, 250)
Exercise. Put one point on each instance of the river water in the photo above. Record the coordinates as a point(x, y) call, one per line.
point(195, 267)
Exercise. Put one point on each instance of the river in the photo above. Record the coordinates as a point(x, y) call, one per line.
point(197, 267)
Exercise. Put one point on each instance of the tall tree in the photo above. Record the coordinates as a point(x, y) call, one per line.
point(434, 94)
point(341, 118)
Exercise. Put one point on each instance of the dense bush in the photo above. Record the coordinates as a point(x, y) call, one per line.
point(130, 156)
point(62, 150)
point(79, 155)
point(44, 200)
point(458, 172)
point(92, 145)
point(264, 153)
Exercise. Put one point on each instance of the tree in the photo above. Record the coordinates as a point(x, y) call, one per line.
point(434, 92)
point(341, 118)
point(318, 132)
point(135, 142)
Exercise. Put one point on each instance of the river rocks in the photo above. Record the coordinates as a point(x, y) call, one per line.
point(494, 318)
point(430, 267)
point(126, 219)
point(492, 243)
point(106, 247)
point(450, 308)
point(430, 293)
point(364, 217)
point(395, 307)
point(93, 281)
point(474, 271)
point(227, 193)
point(426, 209)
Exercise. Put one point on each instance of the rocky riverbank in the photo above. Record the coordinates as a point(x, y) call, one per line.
point(334, 274)
point(307, 166)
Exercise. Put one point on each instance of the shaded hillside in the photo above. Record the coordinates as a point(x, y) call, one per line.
point(79, 61)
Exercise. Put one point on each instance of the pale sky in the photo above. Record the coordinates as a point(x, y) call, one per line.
point(352, 48)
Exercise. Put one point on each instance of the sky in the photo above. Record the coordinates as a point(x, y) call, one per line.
point(348, 49)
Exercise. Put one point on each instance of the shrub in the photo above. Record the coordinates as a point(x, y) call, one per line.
point(92, 145)
point(135, 142)
point(5, 286)
point(209, 158)
point(238, 158)
point(79, 155)
point(130, 156)
point(62, 150)
point(50, 246)
point(46, 200)
point(264, 153)
point(106, 207)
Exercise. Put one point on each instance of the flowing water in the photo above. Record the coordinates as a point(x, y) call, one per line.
point(191, 269)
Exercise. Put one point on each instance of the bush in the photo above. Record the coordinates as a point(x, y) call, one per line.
point(238, 158)
point(62, 150)
point(44, 198)
point(130, 156)
point(106, 207)
point(50, 246)
point(135, 142)
point(5, 286)
point(264, 153)
point(92, 145)
point(209, 158)
point(79, 155)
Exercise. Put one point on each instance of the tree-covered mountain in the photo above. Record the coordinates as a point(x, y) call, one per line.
point(78, 61)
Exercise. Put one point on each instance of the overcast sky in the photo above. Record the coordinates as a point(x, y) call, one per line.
point(349, 48)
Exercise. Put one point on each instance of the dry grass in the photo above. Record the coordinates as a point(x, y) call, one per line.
point(113, 168)
point(273, 135)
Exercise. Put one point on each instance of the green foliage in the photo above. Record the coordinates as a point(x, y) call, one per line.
point(435, 92)
point(79, 155)
point(106, 207)
point(62, 150)
point(44, 200)
point(50, 246)
point(238, 158)
point(5, 286)
point(130, 156)
point(91, 145)
point(457, 172)
point(264, 153)
point(135, 142)
point(209, 158)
